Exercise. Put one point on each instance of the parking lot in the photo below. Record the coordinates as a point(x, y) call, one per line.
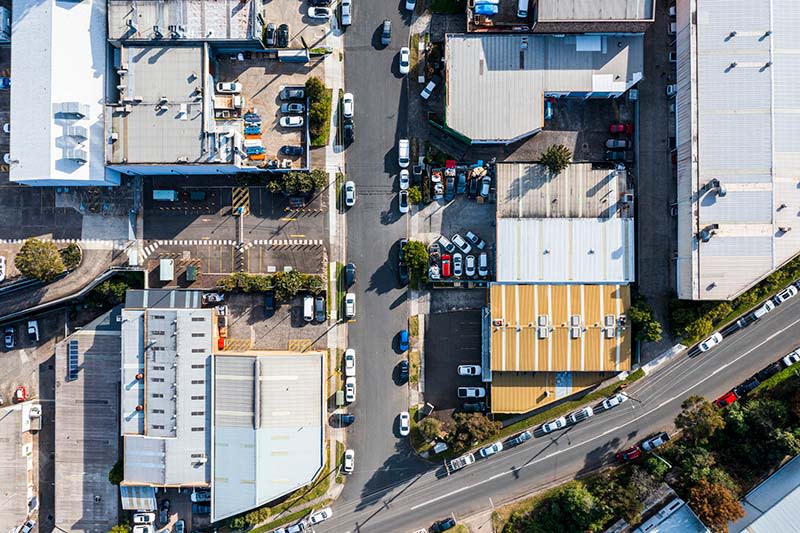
point(303, 30)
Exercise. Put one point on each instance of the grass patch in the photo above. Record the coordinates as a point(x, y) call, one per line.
point(448, 6)
point(414, 366)
point(414, 436)
point(288, 519)
point(777, 379)
point(501, 516)
point(413, 326)
point(319, 111)
point(339, 459)
point(340, 191)
point(341, 290)
point(340, 369)
point(414, 56)
point(564, 408)
point(461, 528)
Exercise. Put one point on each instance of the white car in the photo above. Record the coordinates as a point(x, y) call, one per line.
point(2, 268)
point(491, 450)
point(349, 461)
point(655, 442)
point(405, 60)
point(428, 90)
point(347, 12)
point(350, 305)
point(144, 518)
point(402, 202)
point(458, 265)
point(614, 401)
point(469, 370)
point(349, 362)
point(471, 392)
point(469, 268)
point(291, 122)
point(232, 87)
point(791, 358)
point(403, 153)
point(710, 342)
point(348, 105)
point(350, 389)
point(462, 244)
point(405, 424)
point(321, 13)
point(411, 4)
point(349, 194)
point(140, 528)
point(785, 294)
point(580, 414)
point(405, 182)
point(553, 425)
point(320, 516)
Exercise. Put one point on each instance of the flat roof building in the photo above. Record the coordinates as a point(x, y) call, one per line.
point(496, 84)
point(774, 505)
point(675, 517)
point(58, 56)
point(737, 145)
point(17, 461)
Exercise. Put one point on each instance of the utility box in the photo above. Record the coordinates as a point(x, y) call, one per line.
point(166, 270)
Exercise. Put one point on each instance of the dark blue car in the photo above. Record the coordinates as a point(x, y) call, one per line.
point(404, 340)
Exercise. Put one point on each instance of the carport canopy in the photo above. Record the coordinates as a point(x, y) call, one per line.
point(138, 498)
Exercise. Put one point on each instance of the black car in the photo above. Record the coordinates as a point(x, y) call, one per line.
point(283, 36)
point(297, 202)
point(349, 131)
point(473, 188)
point(319, 3)
point(292, 150)
point(201, 508)
point(350, 274)
point(450, 189)
point(402, 273)
point(769, 371)
point(473, 407)
point(743, 388)
point(461, 188)
point(400, 253)
point(402, 371)
point(443, 525)
point(269, 35)
point(163, 511)
point(346, 419)
point(269, 303)
point(386, 32)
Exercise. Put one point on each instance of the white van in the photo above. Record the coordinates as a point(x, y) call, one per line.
point(522, 9)
point(308, 308)
point(403, 153)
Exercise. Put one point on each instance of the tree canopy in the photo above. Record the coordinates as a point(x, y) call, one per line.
point(39, 259)
point(715, 505)
point(556, 158)
point(468, 428)
point(698, 419)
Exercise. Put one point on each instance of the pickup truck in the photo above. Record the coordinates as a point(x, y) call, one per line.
point(460, 462)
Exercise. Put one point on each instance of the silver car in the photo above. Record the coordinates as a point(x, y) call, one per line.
point(462, 244)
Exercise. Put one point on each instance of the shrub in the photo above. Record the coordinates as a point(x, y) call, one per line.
point(556, 158)
point(644, 324)
point(71, 256)
point(414, 195)
point(117, 473)
point(39, 259)
point(319, 111)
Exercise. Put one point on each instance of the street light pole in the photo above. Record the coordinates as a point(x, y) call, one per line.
point(662, 460)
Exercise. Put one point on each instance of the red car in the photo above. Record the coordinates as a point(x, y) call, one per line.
point(726, 399)
point(446, 265)
point(629, 454)
point(617, 127)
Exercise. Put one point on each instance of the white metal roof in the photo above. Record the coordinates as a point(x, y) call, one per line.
point(58, 56)
point(737, 109)
point(592, 10)
point(774, 505)
point(496, 83)
point(562, 250)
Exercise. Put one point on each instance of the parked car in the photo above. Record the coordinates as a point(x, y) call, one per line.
point(144, 518)
point(320, 516)
point(269, 302)
point(140, 528)
point(349, 193)
point(769, 371)
point(443, 525)
point(180, 526)
point(349, 131)
point(710, 342)
point(269, 34)
point(350, 305)
point(10, 337)
point(791, 358)
point(404, 62)
point(405, 182)
point(292, 121)
point(446, 245)
point(402, 371)
point(471, 392)
point(350, 389)
point(522, 437)
point(476, 241)
point(764, 309)
point(28, 526)
point(446, 271)
point(411, 4)
point(349, 461)
point(654, 442)
point(402, 201)
point(402, 273)
point(614, 401)
point(350, 274)
point(785, 294)
point(292, 107)
point(292, 94)
point(295, 528)
point(746, 387)
point(672, 90)
point(283, 36)
point(553, 425)
point(580, 414)
point(469, 370)
point(320, 2)
point(403, 153)
point(404, 340)
point(2, 268)
point(349, 362)
point(483, 265)
point(726, 399)
point(348, 105)
point(473, 407)
point(618, 144)
point(462, 245)
point(200, 496)
point(469, 268)
point(163, 511)
point(346, 419)
point(626, 128)
point(486, 182)
point(458, 264)
point(472, 192)
point(320, 13)
point(386, 32)
point(229, 87)
point(347, 12)
point(461, 186)
point(450, 188)
point(428, 90)
point(404, 421)
point(292, 150)
point(615, 155)
point(488, 451)
point(630, 454)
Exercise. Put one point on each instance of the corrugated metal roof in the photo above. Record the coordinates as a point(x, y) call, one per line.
point(529, 190)
point(737, 119)
point(496, 83)
point(775, 504)
point(565, 250)
point(138, 498)
point(592, 10)
point(268, 428)
point(520, 392)
point(546, 328)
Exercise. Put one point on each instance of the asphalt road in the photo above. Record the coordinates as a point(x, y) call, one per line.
point(544, 461)
point(374, 225)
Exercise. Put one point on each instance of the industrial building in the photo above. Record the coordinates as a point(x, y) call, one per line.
point(737, 147)
point(774, 505)
point(496, 83)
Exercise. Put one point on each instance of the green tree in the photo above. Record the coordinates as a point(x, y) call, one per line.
point(415, 255)
point(468, 428)
point(275, 185)
point(319, 178)
point(71, 256)
point(571, 508)
point(414, 194)
point(314, 284)
point(698, 419)
point(287, 284)
point(117, 473)
point(715, 505)
point(120, 528)
point(237, 522)
point(657, 468)
point(698, 328)
point(621, 499)
point(696, 464)
point(556, 158)
point(645, 325)
point(39, 259)
point(319, 111)
point(430, 428)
